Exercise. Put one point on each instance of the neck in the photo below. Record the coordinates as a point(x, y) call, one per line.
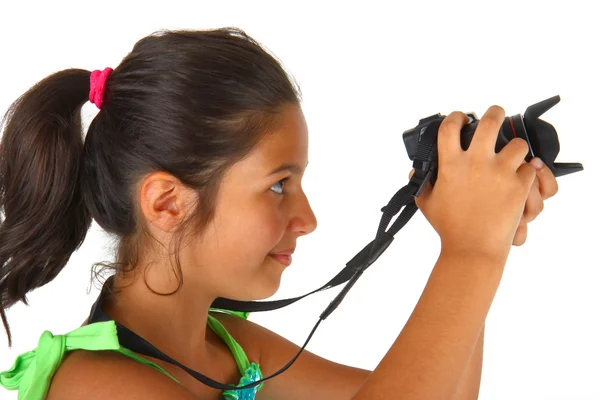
point(176, 323)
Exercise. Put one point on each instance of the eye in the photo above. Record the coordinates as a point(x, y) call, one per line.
point(280, 183)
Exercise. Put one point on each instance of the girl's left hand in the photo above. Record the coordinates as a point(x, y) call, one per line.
point(544, 187)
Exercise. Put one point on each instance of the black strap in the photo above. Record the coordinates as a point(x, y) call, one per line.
point(138, 344)
point(424, 164)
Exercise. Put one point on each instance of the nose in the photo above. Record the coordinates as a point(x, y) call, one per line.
point(303, 220)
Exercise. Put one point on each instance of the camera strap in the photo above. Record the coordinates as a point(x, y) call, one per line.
point(424, 166)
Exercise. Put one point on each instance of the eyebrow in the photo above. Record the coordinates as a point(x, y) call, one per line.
point(293, 168)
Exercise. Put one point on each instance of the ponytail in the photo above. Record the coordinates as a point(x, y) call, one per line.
point(43, 218)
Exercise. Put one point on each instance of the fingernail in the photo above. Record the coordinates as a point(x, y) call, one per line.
point(537, 163)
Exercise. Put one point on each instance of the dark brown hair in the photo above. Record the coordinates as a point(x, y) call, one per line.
point(190, 103)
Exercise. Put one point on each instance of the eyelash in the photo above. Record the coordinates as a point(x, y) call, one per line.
point(281, 181)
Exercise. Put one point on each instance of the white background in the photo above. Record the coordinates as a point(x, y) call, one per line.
point(369, 71)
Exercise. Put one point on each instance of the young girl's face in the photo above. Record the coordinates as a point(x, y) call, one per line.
point(258, 212)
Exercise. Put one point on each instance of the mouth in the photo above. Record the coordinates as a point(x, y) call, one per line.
point(285, 259)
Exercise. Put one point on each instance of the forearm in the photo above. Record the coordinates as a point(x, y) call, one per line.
point(431, 354)
point(468, 388)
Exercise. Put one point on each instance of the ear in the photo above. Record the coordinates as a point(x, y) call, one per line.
point(164, 200)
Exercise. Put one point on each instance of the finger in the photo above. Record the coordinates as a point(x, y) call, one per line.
point(514, 153)
point(547, 180)
point(534, 204)
point(521, 234)
point(486, 133)
point(527, 174)
point(411, 173)
point(448, 140)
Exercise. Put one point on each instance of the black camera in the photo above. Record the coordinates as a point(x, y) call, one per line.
point(540, 135)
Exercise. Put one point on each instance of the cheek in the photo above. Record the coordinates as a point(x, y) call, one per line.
point(264, 226)
point(255, 229)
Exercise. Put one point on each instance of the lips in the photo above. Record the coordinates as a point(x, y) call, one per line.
point(286, 252)
point(282, 259)
point(283, 256)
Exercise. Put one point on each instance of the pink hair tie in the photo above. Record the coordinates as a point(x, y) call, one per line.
point(98, 84)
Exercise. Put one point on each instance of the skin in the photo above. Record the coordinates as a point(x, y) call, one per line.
point(255, 215)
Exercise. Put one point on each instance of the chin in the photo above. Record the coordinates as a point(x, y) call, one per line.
point(264, 283)
point(268, 289)
point(261, 289)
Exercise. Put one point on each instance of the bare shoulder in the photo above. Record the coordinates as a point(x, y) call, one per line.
point(99, 375)
point(256, 340)
point(312, 377)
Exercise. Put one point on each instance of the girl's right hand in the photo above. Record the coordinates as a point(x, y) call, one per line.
point(479, 195)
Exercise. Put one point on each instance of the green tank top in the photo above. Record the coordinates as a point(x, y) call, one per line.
point(32, 371)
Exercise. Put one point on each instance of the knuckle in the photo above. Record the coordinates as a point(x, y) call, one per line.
point(530, 170)
point(554, 189)
point(537, 208)
point(520, 236)
point(550, 189)
point(528, 175)
point(493, 116)
point(454, 121)
point(518, 147)
point(459, 115)
point(520, 144)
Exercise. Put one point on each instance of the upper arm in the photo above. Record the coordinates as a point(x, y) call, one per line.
point(309, 377)
point(101, 375)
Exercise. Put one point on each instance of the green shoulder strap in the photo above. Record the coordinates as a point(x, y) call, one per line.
point(238, 353)
point(32, 371)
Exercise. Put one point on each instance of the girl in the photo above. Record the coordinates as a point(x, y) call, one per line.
point(195, 162)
